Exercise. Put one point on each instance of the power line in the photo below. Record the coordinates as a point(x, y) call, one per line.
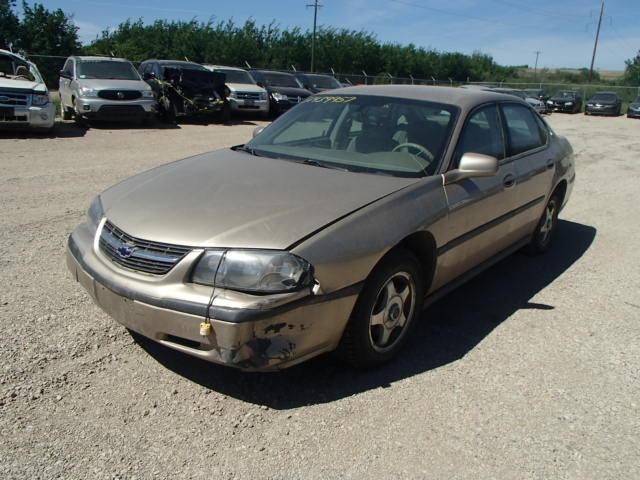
point(595, 45)
point(315, 5)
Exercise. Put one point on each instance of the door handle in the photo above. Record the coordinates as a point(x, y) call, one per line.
point(550, 164)
point(509, 181)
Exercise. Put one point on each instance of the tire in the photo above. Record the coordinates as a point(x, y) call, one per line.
point(67, 114)
point(546, 227)
point(383, 315)
point(80, 120)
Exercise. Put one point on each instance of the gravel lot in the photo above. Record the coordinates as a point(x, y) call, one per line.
point(529, 371)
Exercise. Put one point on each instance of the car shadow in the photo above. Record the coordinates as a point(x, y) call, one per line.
point(448, 330)
point(59, 130)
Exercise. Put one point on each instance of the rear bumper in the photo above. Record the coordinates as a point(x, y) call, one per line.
point(273, 337)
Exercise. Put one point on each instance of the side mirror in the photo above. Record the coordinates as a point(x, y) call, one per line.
point(64, 74)
point(260, 84)
point(149, 76)
point(472, 165)
point(257, 131)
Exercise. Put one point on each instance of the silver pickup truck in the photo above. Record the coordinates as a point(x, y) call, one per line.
point(24, 98)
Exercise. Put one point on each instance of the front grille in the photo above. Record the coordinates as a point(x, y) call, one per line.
point(248, 96)
point(137, 254)
point(116, 111)
point(119, 94)
point(10, 99)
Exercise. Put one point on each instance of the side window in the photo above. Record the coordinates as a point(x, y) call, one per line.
point(544, 130)
point(522, 128)
point(482, 134)
point(68, 67)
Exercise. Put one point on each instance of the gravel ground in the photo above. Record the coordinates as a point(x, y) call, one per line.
point(529, 371)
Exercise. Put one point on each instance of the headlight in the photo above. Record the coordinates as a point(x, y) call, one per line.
point(568, 104)
point(147, 93)
point(589, 104)
point(263, 95)
point(88, 92)
point(264, 271)
point(279, 97)
point(95, 212)
point(549, 102)
point(233, 94)
point(39, 100)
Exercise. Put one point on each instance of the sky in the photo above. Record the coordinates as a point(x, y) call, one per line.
point(509, 30)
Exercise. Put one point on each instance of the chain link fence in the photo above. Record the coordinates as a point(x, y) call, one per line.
point(51, 65)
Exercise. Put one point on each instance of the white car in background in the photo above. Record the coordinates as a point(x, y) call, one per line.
point(244, 94)
point(24, 97)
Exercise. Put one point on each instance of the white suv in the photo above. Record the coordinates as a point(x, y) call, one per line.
point(24, 98)
point(244, 94)
point(104, 88)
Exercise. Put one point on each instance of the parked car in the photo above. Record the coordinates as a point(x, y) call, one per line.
point(604, 103)
point(184, 89)
point(567, 101)
point(24, 97)
point(244, 94)
point(330, 229)
point(317, 83)
point(285, 91)
point(634, 108)
point(536, 104)
point(538, 93)
point(104, 88)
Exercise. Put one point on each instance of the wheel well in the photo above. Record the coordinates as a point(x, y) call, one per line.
point(423, 246)
point(561, 191)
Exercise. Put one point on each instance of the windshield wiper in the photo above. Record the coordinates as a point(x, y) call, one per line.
point(244, 148)
point(316, 163)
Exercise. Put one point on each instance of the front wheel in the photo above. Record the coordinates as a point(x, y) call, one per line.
point(546, 227)
point(385, 311)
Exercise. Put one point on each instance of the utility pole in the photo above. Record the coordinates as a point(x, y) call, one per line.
point(595, 46)
point(535, 69)
point(316, 5)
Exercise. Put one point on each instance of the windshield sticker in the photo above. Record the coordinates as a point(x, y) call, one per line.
point(327, 99)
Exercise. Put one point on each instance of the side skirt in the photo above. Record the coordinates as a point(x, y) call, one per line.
point(465, 277)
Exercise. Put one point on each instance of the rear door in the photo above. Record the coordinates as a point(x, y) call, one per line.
point(529, 151)
point(479, 208)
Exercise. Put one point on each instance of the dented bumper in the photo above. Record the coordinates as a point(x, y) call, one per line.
point(247, 332)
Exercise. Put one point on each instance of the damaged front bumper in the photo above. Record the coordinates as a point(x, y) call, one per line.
point(249, 332)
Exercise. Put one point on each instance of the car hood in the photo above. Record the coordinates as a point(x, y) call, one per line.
point(104, 84)
point(533, 101)
point(245, 87)
point(603, 102)
point(22, 85)
point(291, 91)
point(233, 199)
point(634, 105)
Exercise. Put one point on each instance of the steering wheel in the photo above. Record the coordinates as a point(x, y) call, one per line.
point(422, 151)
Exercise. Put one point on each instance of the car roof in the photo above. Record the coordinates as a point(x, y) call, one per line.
point(605, 93)
point(172, 62)
point(224, 67)
point(98, 57)
point(466, 98)
point(271, 71)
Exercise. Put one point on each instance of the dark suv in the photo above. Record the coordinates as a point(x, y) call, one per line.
point(604, 103)
point(184, 88)
point(317, 83)
point(285, 91)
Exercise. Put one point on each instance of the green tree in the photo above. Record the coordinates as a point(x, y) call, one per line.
point(8, 24)
point(632, 72)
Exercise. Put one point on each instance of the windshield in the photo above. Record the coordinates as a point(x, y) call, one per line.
point(281, 80)
point(17, 69)
point(107, 69)
point(637, 100)
point(607, 97)
point(323, 81)
point(570, 95)
point(237, 76)
point(391, 136)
